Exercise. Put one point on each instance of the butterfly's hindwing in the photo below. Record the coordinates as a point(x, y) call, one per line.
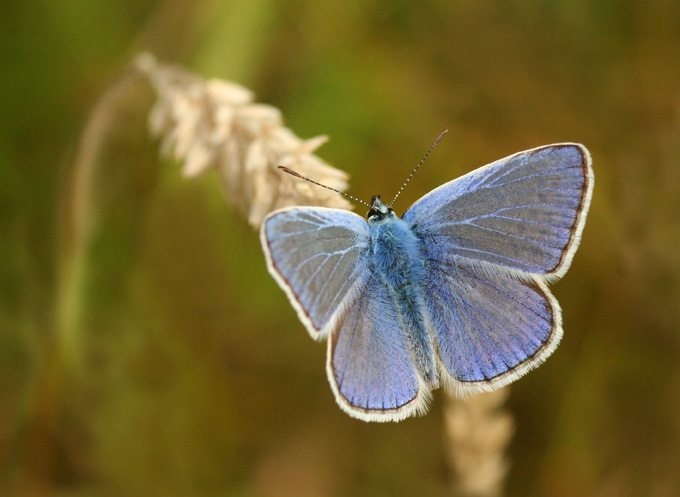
point(489, 329)
point(369, 365)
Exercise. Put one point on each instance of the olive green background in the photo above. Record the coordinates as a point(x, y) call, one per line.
point(158, 357)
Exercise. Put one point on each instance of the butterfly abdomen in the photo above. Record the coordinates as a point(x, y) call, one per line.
point(398, 261)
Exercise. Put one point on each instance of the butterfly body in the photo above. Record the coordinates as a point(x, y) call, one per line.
point(397, 259)
point(454, 292)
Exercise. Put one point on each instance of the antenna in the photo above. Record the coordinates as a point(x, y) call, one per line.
point(441, 135)
point(298, 175)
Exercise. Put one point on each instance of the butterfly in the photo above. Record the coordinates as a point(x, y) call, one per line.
point(453, 293)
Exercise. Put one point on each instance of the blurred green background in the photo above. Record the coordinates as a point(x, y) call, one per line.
point(164, 360)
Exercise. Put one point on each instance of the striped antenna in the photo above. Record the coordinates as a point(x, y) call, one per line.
point(298, 175)
point(441, 135)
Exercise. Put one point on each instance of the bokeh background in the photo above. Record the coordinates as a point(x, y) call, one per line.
point(175, 366)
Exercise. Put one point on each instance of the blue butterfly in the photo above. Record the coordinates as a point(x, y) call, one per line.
point(454, 293)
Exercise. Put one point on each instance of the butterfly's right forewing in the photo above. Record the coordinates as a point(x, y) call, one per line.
point(319, 257)
point(524, 213)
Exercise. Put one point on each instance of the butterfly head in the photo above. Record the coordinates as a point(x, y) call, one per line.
point(379, 212)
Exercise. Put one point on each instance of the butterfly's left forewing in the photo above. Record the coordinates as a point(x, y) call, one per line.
point(319, 257)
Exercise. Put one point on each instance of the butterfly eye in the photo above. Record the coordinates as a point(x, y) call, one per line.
point(377, 214)
point(379, 210)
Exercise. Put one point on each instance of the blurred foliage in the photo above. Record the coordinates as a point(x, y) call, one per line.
point(160, 358)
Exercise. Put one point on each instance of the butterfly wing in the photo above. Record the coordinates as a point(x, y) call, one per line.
point(369, 366)
point(490, 329)
point(492, 239)
point(319, 258)
point(524, 213)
